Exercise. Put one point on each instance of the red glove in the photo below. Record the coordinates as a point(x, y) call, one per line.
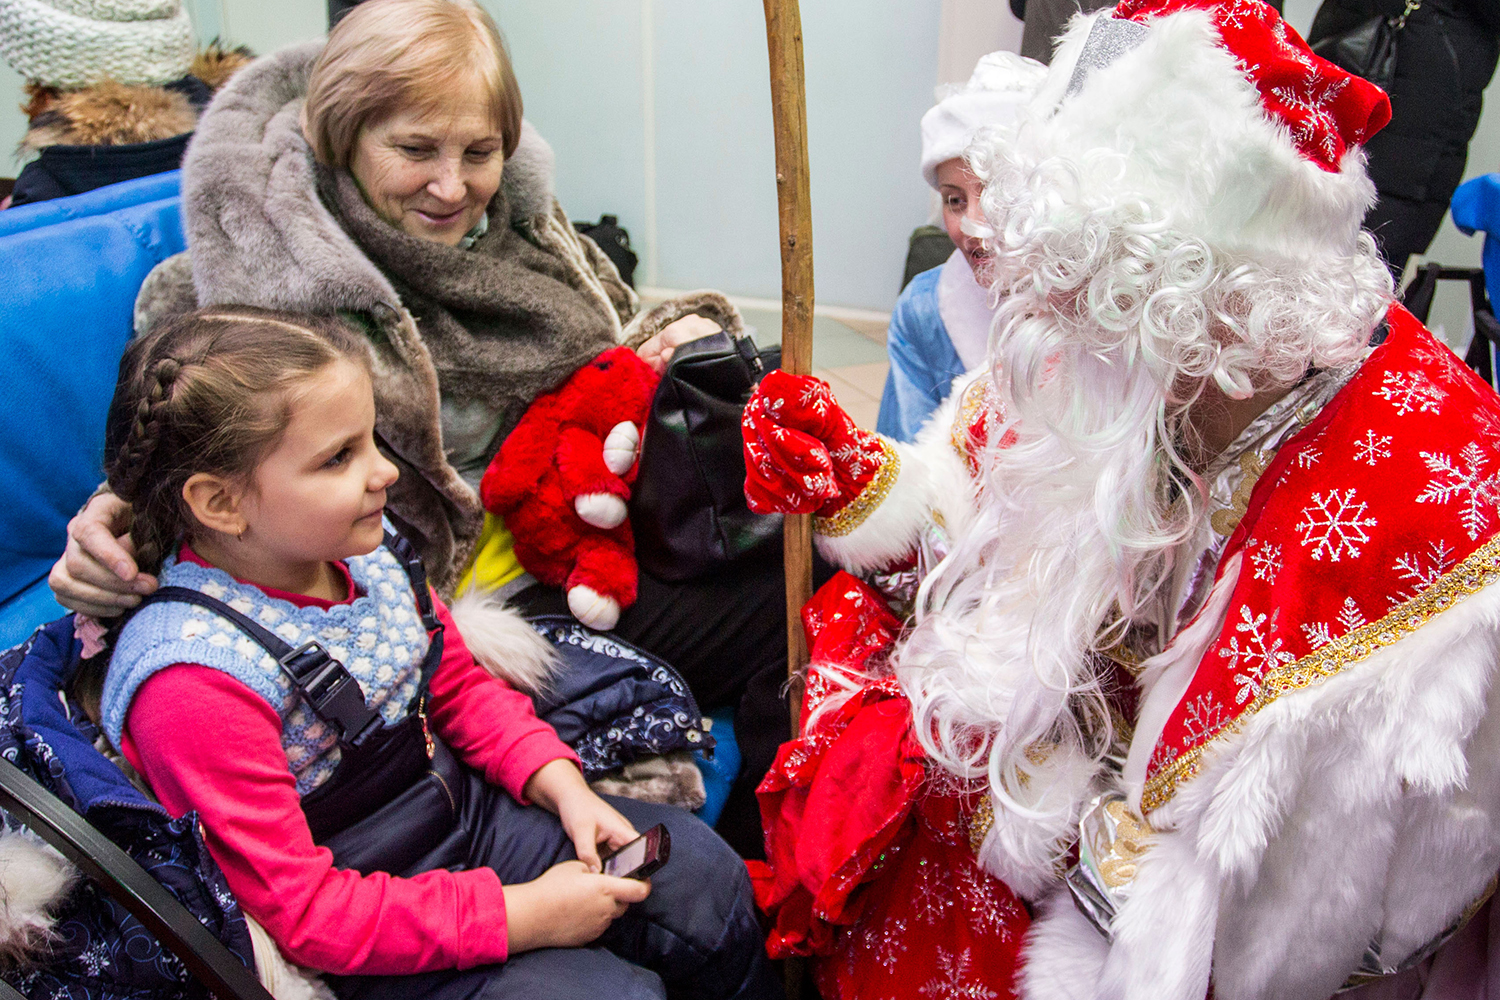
point(803, 454)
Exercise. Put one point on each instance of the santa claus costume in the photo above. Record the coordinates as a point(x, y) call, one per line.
point(1201, 660)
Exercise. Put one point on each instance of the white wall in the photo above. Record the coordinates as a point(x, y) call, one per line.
point(660, 112)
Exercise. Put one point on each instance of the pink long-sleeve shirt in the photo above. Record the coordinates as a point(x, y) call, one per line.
point(212, 744)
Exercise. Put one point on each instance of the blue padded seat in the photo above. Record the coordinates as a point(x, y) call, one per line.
point(96, 202)
point(65, 317)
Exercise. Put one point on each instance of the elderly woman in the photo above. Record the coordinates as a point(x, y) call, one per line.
point(388, 176)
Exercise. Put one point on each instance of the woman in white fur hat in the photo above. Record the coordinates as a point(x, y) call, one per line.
point(113, 89)
point(940, 327)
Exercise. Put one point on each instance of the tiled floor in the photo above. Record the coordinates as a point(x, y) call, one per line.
point(850, 354)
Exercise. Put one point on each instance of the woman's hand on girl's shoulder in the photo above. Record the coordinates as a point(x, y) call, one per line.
point(566, 907)
point(97, 574)
point(588, 820)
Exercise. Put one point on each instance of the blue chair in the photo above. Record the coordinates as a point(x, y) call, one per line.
point(73, 267)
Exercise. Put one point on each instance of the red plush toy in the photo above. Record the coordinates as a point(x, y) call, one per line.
point(562, 477)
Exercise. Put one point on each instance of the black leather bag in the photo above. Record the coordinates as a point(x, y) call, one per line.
point(688, 505)
point(1369, 48)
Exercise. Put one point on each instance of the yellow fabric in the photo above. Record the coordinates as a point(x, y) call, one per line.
point(495, 563)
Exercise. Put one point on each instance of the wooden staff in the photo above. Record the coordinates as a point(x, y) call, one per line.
point(794, 208)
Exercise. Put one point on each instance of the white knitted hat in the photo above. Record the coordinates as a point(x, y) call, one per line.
point(1002, 83)
point(77, 43)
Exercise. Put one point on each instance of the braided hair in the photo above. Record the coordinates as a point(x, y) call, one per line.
point(210, 391)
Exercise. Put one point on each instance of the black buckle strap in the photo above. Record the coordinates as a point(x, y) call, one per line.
point(330, 690)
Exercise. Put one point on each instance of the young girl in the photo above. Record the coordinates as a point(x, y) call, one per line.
point(244, 442)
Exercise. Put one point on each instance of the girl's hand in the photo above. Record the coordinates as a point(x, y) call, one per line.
point(568, 906)
point(586, 818)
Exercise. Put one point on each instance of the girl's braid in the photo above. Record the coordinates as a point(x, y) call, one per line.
point(145, 431)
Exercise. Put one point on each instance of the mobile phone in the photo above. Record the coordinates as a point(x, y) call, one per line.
point(642, 857)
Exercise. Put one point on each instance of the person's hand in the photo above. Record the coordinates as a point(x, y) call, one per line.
point(586, 818)
point(97, 574)
point(566, 907)
point(803, 453)
point(657, 352)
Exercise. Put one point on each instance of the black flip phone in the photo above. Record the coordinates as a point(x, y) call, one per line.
point(642, 857)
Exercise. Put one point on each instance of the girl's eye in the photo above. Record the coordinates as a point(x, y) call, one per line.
point(343, 456)
point(955, 203)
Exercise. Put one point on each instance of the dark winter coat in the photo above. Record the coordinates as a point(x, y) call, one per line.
point(1446, 56)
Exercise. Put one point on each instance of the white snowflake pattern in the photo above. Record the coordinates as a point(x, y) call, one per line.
point(1440, 356)
point(884, 942)
point(1266, 560)
point(1235, 15)
point(817, 398)
point(1307, 101)
point(1372, 447)
point(1422, 571)
point(1308, 457)
point(95, 958)
point(1204, 717)
point(934, 893)
point(952, 981)
point(1261, 651)
point(1334, 525)
point(1411, 392)
point(1293, 51)
point(1479, 494)
point(1320, 634)
point(989, 912)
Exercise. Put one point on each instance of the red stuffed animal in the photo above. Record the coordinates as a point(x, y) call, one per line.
point(562, 477)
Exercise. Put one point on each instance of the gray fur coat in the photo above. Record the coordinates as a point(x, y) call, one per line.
point(259, 234)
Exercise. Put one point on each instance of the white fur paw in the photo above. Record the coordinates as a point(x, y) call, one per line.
point(602, 510)
point(593, 608)
point(621, 447)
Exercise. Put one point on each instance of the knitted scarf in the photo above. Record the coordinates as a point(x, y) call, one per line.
point(502, 321)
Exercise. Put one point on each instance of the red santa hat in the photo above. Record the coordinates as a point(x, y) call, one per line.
point(1227, 121)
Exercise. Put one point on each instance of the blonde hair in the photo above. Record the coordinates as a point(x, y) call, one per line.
point(392, 54)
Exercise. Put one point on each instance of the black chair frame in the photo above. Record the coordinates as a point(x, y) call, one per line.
point(1418, 299)
point(128, 884)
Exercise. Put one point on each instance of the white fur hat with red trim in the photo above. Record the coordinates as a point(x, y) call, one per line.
point(1224, 122)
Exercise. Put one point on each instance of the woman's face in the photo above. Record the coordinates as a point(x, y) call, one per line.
point(960, 191)
point(430, 173)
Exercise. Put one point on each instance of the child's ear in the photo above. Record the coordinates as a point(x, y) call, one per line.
point(215, 503)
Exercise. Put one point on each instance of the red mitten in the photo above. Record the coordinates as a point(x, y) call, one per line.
point(803, 454)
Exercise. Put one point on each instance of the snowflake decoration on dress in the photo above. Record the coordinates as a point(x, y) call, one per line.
point(1440, 356)
point(1266, 561)
point(1308, 457)
point(1479, 494)
point(1334, 525)
point(1422, 572)
point(1261, 651)
point(1320, 634)
point(884, 942)
point(953, 980)
point(1372, 447)
point(992, 911)
point(1411, 392)
point(934, 893)
point(1204, 718)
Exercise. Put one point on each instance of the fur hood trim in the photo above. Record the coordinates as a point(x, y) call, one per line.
point(1365, 809)
point(110, 114)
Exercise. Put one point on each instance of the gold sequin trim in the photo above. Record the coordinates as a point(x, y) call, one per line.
point(981, 822)
point(1478, 571)
point(1226, 519)
point(873, 495)
point(963, 420)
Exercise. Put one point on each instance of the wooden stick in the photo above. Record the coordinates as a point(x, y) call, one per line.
point(794, 208)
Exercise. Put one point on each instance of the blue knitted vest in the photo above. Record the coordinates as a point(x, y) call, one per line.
point(378, 637)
